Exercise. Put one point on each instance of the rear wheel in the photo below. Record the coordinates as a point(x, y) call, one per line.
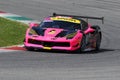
point(98, 37)
point(98, 42)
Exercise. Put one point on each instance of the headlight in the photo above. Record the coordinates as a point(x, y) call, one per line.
point(71, 35)
point(32, 32)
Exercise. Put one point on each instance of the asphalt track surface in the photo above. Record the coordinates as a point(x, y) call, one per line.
point(51, 65)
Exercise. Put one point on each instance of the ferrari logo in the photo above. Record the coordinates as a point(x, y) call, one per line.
point(52, 32)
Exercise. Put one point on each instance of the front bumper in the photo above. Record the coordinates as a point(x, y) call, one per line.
point(69, 45)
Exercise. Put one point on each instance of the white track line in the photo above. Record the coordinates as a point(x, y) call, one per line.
point(6, 50)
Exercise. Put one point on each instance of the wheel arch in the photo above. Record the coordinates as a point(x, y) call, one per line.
point(97, 29)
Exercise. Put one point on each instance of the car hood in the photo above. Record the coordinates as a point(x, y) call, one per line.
point(53, 32)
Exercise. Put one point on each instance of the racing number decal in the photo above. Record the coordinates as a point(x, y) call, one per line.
point(52, 32)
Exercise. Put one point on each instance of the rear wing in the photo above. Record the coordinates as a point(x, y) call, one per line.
point(85, 17)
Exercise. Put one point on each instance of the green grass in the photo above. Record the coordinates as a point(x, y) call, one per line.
point(11, 32)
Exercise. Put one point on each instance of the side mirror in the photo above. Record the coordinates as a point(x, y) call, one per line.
point(81, 31)
point(33, 25)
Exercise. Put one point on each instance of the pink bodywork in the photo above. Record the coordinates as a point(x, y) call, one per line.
point(74, 42)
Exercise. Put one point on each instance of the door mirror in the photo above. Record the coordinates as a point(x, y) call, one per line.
point(33, 24)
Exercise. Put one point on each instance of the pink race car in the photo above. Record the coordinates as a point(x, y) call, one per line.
point(64, 32)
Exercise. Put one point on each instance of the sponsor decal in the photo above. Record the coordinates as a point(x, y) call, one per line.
point(68, 19)
point(48, 48)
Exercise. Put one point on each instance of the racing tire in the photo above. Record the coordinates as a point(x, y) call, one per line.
point(98, 42)
point(29, 48)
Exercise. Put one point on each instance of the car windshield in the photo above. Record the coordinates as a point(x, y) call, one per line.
point(60, 24)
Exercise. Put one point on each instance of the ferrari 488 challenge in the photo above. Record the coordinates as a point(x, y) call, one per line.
point(64, 32)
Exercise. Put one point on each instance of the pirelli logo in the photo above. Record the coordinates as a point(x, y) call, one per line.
point(66, 19)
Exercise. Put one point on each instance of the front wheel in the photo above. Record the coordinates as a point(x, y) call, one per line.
point(29, 48)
